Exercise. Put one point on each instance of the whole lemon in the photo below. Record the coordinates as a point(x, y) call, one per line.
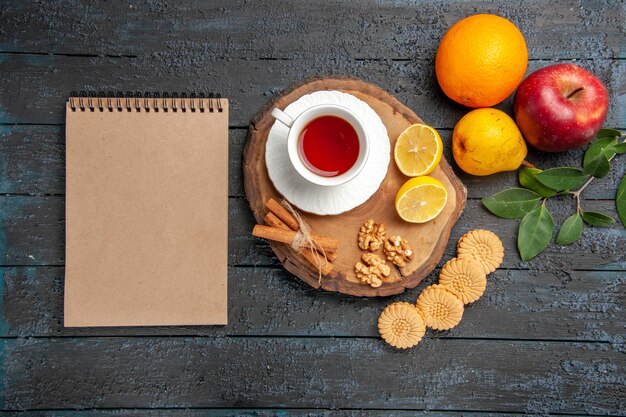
point(481, 60)
point(486, 141)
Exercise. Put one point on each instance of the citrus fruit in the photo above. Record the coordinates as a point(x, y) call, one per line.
point(481, 60)
point(486, 141)
point(418, 150)
point(421, 199)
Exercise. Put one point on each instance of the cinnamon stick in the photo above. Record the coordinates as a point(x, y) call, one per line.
point(315, 260)
point(331, 256)
point(282, 213)
point(272, 220)
point(329, 244)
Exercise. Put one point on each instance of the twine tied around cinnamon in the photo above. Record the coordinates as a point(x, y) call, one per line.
point(303, 239)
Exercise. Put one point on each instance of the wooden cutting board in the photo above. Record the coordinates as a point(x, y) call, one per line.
point(428, 240)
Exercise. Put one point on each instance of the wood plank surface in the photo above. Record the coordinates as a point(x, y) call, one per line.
point(209, 31)
point(32, 232)
point(35, 87)
point(324, 372)
point(530, 305)
point(242, 412)
point(547, 338)
point(32, 161)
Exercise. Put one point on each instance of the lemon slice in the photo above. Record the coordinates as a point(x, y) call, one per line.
point(418, 150)
point(421, 199)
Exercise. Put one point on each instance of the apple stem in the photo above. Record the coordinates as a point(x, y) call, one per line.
point(528, 164)
point(578, 90)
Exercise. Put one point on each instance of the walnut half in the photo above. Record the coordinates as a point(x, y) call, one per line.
point(373, 271)
point(371, 235)
point(398, 250)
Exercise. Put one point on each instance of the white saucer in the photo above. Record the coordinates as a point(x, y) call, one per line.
point(319, 199)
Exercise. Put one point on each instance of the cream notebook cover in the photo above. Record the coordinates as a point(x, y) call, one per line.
point(146, 211)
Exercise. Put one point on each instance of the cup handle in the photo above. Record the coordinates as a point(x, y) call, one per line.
point(282, 117)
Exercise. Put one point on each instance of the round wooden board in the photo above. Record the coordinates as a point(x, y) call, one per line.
point(428, 240)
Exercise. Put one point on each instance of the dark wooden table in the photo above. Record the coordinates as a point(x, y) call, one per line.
point(547, 337)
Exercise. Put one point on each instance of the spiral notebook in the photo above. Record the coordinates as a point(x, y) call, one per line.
point(146, 210)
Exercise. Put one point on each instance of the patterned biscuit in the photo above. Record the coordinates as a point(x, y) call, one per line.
point(481, 246)
point(401, 325)
point(464, 278)
point(441, 309)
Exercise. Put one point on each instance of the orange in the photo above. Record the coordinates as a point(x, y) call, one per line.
point(481, 60)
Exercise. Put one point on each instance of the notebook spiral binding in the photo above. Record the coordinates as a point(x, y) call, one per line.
point(145, 101)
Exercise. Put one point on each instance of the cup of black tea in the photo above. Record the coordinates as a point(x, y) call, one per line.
point(327, 144)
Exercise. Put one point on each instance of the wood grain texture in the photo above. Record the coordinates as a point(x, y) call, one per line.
point(32, 162)
point(364, 29)
point(32, 232)
point(518, 304)
point(429, 240)
point(535, 377)
point(533, 311)
point(36, 86)
point(602, 248)
point(241, 412)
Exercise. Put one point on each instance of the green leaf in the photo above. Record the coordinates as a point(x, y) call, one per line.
point(513, 203)
point(596, 165)
point(561, 179)
point(596, 161)
point(619, 147)
point(598, 145)
point(620, 201)
point(608, 133)
point(571, 230)
point(528, 179)
point(597, 219)
point(535, 232)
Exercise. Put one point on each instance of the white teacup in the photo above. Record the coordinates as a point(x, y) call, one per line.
point(295, 152)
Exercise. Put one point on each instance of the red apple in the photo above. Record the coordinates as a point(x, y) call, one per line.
point(560, 107)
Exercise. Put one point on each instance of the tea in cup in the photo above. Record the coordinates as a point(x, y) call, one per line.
point(327, 144)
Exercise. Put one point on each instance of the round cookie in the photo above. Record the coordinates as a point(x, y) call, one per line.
point(483, 247)
point(464, 278)
point(401, 325)
point(441, 309)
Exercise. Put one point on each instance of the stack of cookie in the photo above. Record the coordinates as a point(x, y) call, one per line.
point(462, 280)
